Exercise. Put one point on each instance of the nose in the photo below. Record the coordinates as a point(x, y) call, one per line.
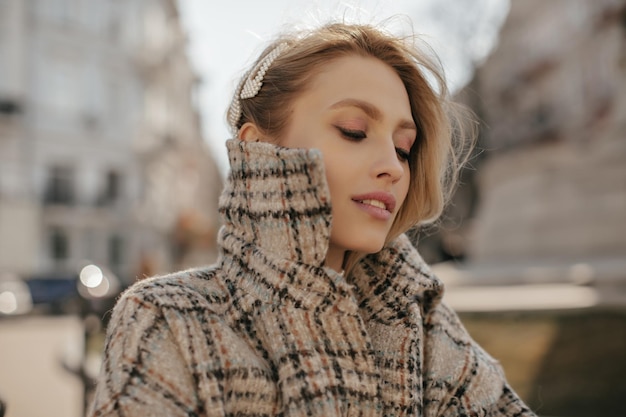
point(387, 164)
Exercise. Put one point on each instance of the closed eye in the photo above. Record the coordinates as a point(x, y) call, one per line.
point(403, 154)
point(352, 134)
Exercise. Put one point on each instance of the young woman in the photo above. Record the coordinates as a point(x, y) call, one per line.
point(318, 305)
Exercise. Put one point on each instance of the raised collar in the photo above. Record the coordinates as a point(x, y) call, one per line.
point(277, 218)
point(278, 199)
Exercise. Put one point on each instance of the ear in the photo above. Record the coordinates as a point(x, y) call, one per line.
point(250, 132)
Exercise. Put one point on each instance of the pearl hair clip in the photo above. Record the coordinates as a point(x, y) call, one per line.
point(250, 86)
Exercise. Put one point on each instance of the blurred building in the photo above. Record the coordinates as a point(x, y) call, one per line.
point(538, 227)
point(554, 103)
point(101, 154)
point(546, 188)
point(181, 180)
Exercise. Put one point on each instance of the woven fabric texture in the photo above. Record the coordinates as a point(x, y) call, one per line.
point(269, 331)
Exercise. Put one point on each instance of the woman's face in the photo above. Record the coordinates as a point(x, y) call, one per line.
point(357, 112)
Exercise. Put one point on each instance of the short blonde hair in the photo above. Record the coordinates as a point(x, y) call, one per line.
point(441, 145)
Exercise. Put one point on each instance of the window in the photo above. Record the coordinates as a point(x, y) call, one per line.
point(112, 189)
point(88, 244)
point(94, 99)
point(60, 186)
point(63, 85)
point(116, 247)
point(59, 244)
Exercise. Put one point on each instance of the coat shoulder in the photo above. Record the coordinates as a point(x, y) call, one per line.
point(198, 288)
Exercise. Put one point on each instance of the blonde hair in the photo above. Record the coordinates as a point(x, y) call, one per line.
point(442, 140)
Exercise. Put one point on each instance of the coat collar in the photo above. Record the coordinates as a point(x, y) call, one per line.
point(277, 219)
point(276, 210)
point(278, 199)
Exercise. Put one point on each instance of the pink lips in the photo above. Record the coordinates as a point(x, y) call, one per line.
point(373, 203)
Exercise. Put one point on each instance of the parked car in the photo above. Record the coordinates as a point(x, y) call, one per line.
point(91, 290)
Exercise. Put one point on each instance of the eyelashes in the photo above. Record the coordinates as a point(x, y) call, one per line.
point(358, 135)
point(403, 154)
point(352, 134)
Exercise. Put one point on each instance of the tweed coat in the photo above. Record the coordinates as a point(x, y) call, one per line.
point(269, 331)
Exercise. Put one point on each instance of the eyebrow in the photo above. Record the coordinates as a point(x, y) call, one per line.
point(371, 110)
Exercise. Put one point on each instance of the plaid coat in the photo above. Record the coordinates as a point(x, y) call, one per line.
point(268, 331)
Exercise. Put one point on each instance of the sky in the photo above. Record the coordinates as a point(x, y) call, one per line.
point(225, 38)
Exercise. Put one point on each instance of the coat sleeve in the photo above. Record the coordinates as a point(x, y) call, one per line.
point(460, 377)
point(149, 366)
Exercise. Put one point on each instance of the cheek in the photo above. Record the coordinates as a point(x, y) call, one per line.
point(334, 180)
point(404, 186)
point(337, 170)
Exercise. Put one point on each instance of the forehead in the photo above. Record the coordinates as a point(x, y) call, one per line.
point(360, 78)
point(352, 70)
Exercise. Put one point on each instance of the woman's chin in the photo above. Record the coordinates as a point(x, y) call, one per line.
point(369, 247)
point(359, 242)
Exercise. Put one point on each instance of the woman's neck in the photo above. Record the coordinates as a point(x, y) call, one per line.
point(335, 258)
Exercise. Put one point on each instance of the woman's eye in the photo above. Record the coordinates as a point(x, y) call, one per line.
point(352, 134)
point(403, 154)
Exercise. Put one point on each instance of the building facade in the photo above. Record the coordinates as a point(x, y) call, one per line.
point(542, 283)
point(98, 125)
point(553, 95)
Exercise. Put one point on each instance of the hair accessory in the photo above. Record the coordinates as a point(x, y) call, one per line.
point(250, 86)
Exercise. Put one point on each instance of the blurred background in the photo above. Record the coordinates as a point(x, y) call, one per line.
point(112, 160)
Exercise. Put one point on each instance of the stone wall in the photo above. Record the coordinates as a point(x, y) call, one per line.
point(553, 100)
point(538, 229)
